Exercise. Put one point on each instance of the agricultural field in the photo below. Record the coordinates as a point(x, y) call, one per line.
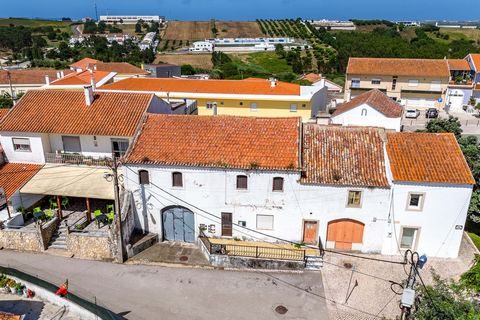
point(188, 30)
point(238, 29)
point(199, 61)
point(64, 26)
point(456, 34)
point(262, 62)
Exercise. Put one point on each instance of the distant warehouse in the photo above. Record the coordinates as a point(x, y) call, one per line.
point(131, 19)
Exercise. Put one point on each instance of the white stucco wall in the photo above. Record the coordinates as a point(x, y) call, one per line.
point(444, 208)
point(214, 190)
point(373, 118)
point(102, 149)
point(36, 155)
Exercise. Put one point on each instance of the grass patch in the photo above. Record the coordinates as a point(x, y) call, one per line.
point(62, 25)
point(262, 62)
point(475, 238)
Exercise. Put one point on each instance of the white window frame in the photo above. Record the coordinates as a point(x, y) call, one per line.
point(293, 107)
point(420, 204)
point(263, 227)
point(210, 105)
point(354, 205)
point(374, 82)
point(29, 149)
point(415, 238)
point(413, 83)
point(253, 106)
point(355, 83)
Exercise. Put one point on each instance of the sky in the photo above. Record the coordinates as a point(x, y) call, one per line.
point(248, 9)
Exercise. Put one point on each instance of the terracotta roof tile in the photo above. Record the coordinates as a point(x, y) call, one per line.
point(312, 77)
point(81, 78)
point(205, 86)
point(14, 175)
point(118, 67)
point(62, 111)
point(398, 67)
point(83, 64)
point(219, 141)
point(375, 99)
point(349, 156)
point(476, 60)
point(30, 76)
point(458, 64)
point(3, 112)
point(427, 157)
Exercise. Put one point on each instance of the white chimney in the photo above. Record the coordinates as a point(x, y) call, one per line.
point(47, 79)
point(88, 91)
point(58, 74)
point(62, 74)
point(273, 83)
point(93, 83)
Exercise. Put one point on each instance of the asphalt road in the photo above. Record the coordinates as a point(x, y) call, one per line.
point(154, 292)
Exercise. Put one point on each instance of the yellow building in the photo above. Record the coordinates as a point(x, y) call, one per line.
point(249, 97)
point(415, 83)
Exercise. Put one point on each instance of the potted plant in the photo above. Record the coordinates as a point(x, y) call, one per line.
point(19, 288)
point(11, 284)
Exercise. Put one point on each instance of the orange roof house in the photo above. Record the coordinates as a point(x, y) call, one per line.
point(29, 76)
point(427, 158)
point(14, 175)
point(458, 65)
point(121, 68)
point(82, 65)
point(375, 99)
point(398, 67)
point(83, 78)
point(218, 142)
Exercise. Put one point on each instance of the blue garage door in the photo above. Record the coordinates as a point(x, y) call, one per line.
point(178, 224)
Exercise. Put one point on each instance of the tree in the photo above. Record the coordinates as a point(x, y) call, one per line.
point(445, 125)
point(280, 50)
point(187, 69)
point(101, 27)
point(5, 101)
point(89, 27)
point(470, 280)
point(138, 27)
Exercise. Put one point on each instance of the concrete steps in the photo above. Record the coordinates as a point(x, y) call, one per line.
point(313, 262)
point(59, 239)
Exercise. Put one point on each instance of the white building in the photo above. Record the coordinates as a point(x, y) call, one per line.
point(244, 178)
point(148, 41)
point(201, 46)
point(20, 81)
point(371, 109)
point(131, 19)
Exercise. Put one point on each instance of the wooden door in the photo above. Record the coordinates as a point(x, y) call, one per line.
point(310, 231)
point(344, 233)
point(226, 224)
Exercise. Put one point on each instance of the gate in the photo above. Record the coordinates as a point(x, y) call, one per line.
point(178, 224)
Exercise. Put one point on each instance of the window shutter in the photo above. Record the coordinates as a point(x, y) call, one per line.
point(177, 179)
point(143, 177)
point(264, 222)
point(242, 182)
point(277, 184)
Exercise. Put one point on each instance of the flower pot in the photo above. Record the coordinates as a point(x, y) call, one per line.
point(13, 290)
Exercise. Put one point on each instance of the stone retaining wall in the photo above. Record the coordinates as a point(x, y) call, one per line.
point(21, 239)
point(47, 231)
point(91, 245)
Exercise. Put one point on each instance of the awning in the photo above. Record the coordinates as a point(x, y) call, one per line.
point(71, 181)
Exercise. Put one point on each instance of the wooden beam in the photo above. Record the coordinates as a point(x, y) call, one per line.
point(89, 211)
point(59, 204)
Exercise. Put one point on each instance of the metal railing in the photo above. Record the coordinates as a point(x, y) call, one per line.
point(77, 159)
point(250, 251)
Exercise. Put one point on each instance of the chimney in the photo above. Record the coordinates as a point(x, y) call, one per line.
point(62, 74)
point(47, 79)
point(273, 83)
point(93, 83)
point(88, 91)
point(58, 74)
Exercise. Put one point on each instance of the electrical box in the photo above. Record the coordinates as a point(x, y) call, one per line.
point(408, 297)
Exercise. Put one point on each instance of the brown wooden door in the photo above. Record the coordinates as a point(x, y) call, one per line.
point(345, 232)
point(226, 224)
point(310, 232)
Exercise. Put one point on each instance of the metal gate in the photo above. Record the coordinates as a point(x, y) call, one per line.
point(178, 224)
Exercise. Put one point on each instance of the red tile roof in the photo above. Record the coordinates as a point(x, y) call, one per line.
point(14, 175)
point(3, 112)
point(80, 78)
point(312, 77)
point(458, 64)
point(427, 157)
point(118, 67)
point(375, 99)
point(261, 87)
point(398, 67)
point(65, 112)
point(83, 64)
point(218, 141)
point(476, 60)
point(30, 76)
point(350, 156)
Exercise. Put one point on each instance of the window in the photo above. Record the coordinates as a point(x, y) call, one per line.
point(394, 83)
point(436, 85)
point(376, 81)
point(408, 238)
point(143, 177)
point(264, 222)
point(413, 83)
point(278, 184)
point(177, 180)
point(364, 112)
point(253, 106)
point(119, 147)
point(71, 144)
point(354, 199)
point(415, 201)
point(242, 223)
point(355, 83)
point(242, 182)
point(21, 144)
point(211, 105)
point(293, 107)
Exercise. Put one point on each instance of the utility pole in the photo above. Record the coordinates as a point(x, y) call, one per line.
point(118, 213)
point(9, 76)
point(408, 296)
point(96, 10)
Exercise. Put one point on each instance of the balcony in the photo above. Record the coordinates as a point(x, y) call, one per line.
point(77, 159)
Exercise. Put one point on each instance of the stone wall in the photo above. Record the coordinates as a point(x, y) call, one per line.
point(91, 245)
point(47, 231)
point(21, 239)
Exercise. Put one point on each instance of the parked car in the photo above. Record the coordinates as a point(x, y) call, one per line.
point(431, 113)
point(412, 113)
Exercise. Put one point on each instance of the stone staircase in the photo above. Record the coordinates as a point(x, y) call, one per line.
point(59, 238)
point(313, 262)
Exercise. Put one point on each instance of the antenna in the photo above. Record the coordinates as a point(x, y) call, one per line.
point(96, 11)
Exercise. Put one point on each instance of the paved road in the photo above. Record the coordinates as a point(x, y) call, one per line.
point(152, 292)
